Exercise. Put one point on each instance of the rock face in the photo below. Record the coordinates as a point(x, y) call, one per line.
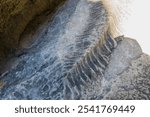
point(15, 15)
point(61, 52)
point(128, 74)
point(75, 57)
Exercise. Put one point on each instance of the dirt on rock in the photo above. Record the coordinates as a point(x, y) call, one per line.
point(15, 15)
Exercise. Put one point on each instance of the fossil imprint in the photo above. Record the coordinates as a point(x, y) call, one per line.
point(69, 57)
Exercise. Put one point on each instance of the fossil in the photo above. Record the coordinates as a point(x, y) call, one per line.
point(67, 62)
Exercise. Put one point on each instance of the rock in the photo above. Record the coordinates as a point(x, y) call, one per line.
point(66, 48)
point(127, 50)
point(128, 74)
point(15, 15)
point(76, 57)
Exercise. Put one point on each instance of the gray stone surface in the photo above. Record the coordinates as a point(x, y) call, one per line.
point(127, 50)
point(69, 61)
point(128, 74)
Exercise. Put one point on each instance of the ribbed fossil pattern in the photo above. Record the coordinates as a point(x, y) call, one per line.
point(88, 72)
point(68, 59)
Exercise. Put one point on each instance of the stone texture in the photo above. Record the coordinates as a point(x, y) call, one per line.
point(67, 45)
point(128, 74)
point(15, 15)
point(127, 50)
point(41, 72)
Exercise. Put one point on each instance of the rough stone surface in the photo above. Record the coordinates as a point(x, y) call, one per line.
point(128, 74)
point(15, 15)
point(69, 61)
point(127, 50)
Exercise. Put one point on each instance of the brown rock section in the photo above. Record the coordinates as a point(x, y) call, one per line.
point(15, 15)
